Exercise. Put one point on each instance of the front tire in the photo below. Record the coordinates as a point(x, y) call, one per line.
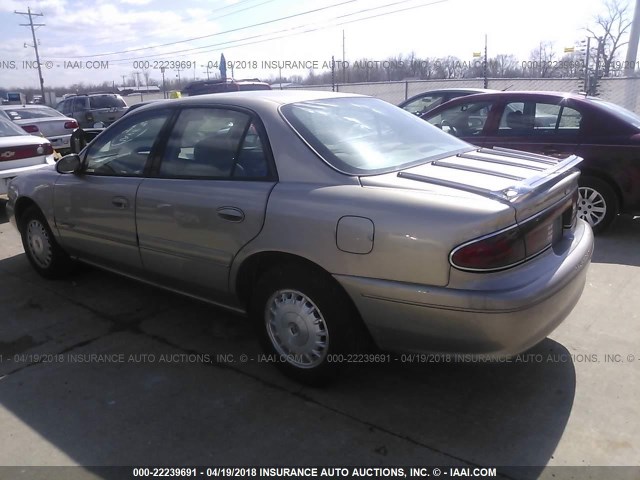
point(598, 203)
point(42, 250)
point(305, 321)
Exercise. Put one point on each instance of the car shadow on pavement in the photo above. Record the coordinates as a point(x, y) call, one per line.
point(619, 244)
point(136, 376)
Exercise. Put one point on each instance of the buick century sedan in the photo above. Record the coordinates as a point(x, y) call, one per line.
point(332, 220)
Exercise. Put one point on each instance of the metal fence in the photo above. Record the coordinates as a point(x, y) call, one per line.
point(619, 90)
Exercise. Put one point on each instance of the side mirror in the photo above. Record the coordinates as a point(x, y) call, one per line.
point(69, 164)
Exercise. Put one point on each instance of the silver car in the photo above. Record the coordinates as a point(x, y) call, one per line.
point(45, 121)
point(330, 219)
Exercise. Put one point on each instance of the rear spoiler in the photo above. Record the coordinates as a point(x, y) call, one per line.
point(545, 178)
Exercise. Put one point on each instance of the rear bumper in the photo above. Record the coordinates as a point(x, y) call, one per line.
point(60, 142)
point(7, 175)
point(491, 315)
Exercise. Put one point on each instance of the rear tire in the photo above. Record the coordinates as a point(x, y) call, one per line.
point(304, 319)
point(598, 203)
point(41, 247)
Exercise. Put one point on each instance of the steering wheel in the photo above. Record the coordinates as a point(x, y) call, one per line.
point(452, 130)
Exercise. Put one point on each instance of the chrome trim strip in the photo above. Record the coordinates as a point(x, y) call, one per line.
point(498, 161)
point(482, 171)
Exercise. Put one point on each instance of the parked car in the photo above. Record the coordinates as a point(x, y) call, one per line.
point(426, 101)
point(20, 152)
point(606, 135)
point(90, 109)
point(329, 218)
point(204, 87)
point(45, 121)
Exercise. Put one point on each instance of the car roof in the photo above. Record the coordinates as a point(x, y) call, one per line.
point(255, 98)
point(522, 93)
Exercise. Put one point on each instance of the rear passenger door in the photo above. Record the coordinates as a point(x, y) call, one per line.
point(545, 127)
point(206, 199)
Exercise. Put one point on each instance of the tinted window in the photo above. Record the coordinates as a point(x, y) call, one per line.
point(423, 104)
point(79, 103)
point(8, 129)
point(538, 118)
point(214, 143)
point(463, 120)
point(361, 136)
point(124, 149)
point(25, 113)
point(106, 101)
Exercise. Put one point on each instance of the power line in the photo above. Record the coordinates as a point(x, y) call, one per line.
point(215, 34)
point(35, 41)
point(287, 31)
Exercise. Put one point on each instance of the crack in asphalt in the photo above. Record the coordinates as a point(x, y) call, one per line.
point(134, 328)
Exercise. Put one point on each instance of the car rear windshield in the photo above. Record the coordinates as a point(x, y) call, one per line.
point(620, 112)
point(27, 113)
point(367, 136)
point(9, 129)
point(106, 101)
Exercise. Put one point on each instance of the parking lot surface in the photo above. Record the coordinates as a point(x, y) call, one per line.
point(101, 370)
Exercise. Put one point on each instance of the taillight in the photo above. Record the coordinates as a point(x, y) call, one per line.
point(516, 244)
point(71, 124)
point(25, 151)
point(31, 128)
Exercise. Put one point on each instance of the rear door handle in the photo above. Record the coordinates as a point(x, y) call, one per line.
point(120, 202)
point(231, 214)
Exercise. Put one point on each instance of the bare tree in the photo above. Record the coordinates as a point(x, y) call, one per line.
point(542, 62)
point(611, 28)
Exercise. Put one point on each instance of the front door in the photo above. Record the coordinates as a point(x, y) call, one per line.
point(95, 210)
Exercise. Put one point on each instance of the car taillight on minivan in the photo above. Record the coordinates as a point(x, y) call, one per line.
point(518, 243)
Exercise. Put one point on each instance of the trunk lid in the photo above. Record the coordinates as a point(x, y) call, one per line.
point(23, 151)
point(49, 127)
point(530, 183)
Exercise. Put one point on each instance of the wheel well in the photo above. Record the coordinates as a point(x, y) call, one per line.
point(21, 206)
point(257, 264)
point(605, 178)
point(253, 267)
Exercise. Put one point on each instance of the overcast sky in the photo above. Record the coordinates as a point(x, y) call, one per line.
point(121, 32)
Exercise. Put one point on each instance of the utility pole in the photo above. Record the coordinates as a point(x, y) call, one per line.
point(35, 42)
point(179, 81)
point(344, 70)
point(123, 82)
point(164, 88)
point(486, 66)
point(634, 36)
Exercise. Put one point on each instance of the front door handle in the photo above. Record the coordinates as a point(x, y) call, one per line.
point(231, 214)
point(120, 202)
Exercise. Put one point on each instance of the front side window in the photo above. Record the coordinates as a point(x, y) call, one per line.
point(467, 119)
point(423, 104)
point(367, 136)
point(124, 149)
point(214, 143)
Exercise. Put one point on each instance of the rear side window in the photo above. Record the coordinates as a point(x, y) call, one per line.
point(215, 143)
point(539, 118)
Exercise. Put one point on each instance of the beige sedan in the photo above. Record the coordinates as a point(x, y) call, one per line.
point(332, 220)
